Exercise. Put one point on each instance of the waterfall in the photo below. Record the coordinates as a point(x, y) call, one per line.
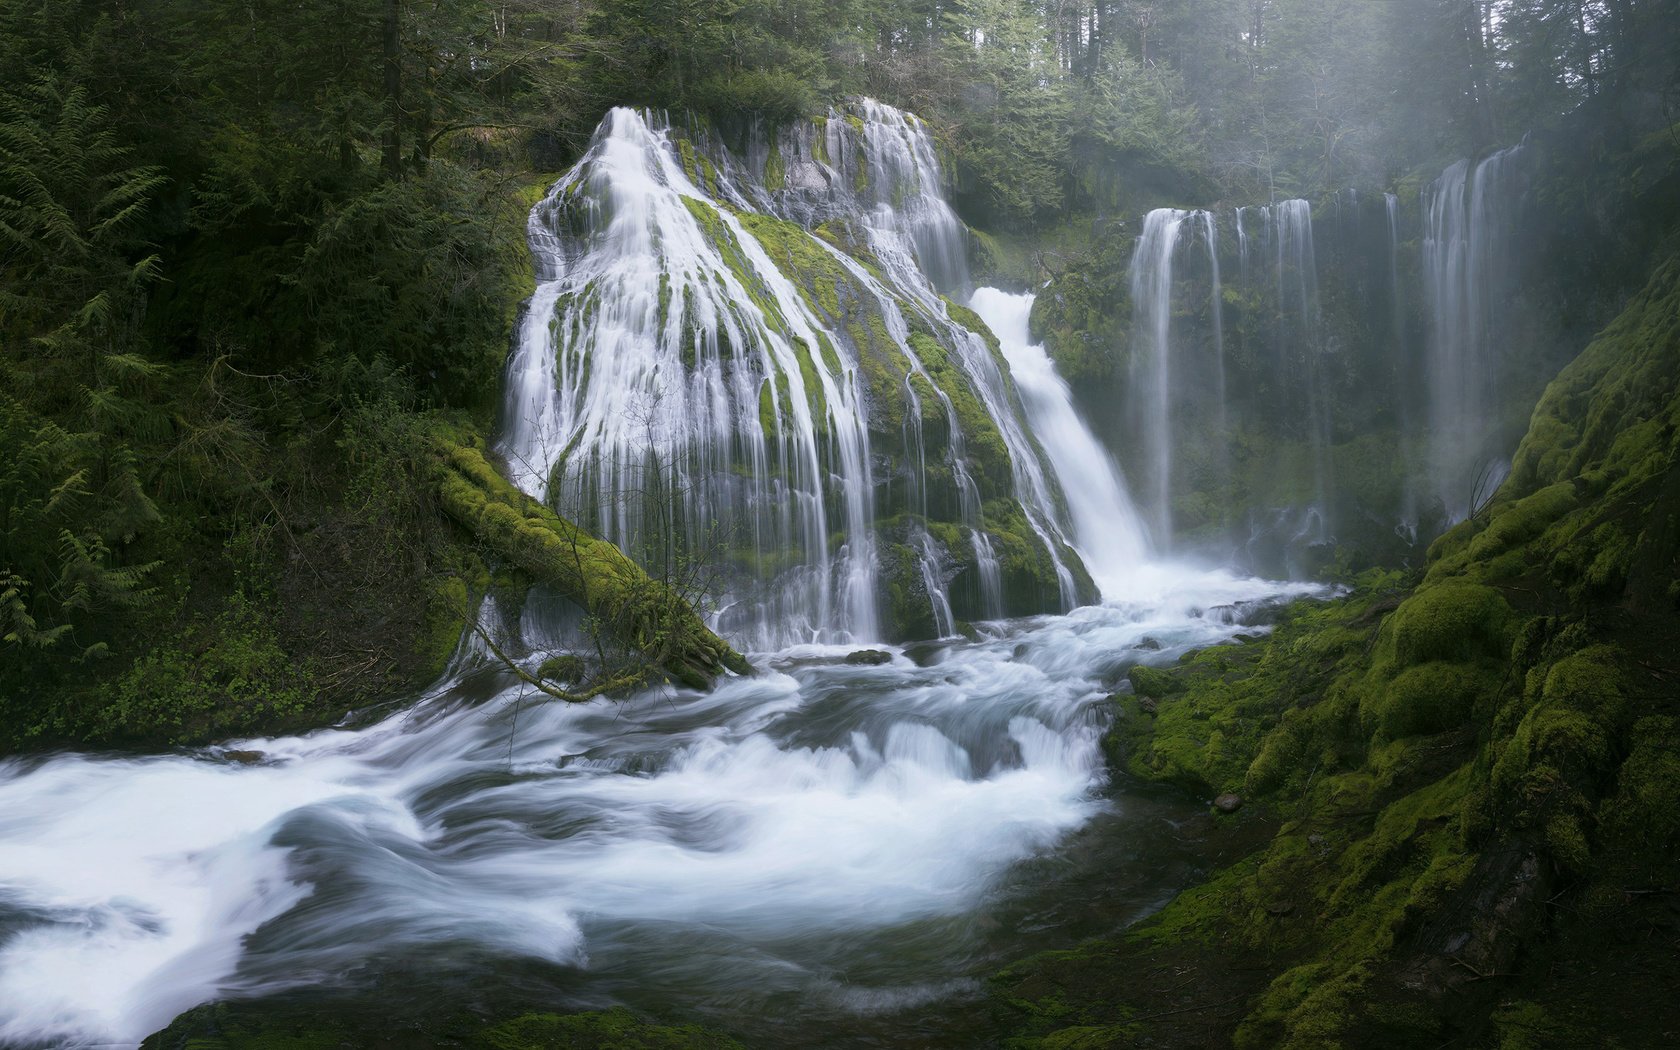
point(638, 409)
point(1408, 524)
point(1180, 395)
point(1283, 245)
point(719, 349)
point(1107, 531)
point(1216, 308)
point(1467, 219)
point(1297, 269)
point(1152, 287)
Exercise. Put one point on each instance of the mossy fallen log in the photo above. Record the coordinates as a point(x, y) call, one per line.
point(645, 615)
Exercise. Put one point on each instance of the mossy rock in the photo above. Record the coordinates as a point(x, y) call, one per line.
point(639, 611)
point(1153, 682)
point(260, 1025)
point(1451, 621)
point(1428, 698)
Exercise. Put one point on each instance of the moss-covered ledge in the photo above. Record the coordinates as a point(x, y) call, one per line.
point(1476, 777)
point(642, 613)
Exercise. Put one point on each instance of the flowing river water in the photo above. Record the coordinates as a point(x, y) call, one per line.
point(792, 856)
point(825, 853)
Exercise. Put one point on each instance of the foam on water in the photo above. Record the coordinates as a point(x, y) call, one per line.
point(731, 842)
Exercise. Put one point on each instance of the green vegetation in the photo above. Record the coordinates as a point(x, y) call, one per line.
point(653, 617)
point(239, 1026)
point(1468, 767)
point(258, 265)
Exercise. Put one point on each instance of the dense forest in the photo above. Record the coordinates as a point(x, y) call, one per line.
point(262, 267)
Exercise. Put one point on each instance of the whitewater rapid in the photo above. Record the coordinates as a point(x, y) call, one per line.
point(832, 832)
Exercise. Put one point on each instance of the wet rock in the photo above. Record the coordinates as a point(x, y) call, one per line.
point(1150, 644)
point(922, 654)
point(869, 657)
point(1229, 802)
point(1147, 705)
point(244, 758)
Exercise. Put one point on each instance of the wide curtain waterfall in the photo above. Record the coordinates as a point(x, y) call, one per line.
point(745, 366)
point(1182, 395)
point(1262, 353)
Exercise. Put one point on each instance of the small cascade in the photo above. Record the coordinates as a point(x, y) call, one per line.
point(933, 582)
point(703, 382)
point(1468, 218)
point(1107, 530)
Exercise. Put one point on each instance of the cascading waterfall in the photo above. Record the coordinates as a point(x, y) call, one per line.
point(1107, 531)
point(631, 405)
point(1468, 213)
point(675, 389)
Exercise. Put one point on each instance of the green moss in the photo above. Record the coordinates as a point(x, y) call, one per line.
point(614, 1030)
point(1451, 621)
point(1153, 682)
point(1639, 822)
point(1524, 1025)
point(697, 166)
point(261, 1025)
point(639, 611)
point(1523, 520)
point(1427, 698)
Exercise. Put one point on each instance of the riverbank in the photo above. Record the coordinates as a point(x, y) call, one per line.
point(1474, 768)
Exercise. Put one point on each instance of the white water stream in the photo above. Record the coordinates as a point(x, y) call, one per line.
point(792, 833)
